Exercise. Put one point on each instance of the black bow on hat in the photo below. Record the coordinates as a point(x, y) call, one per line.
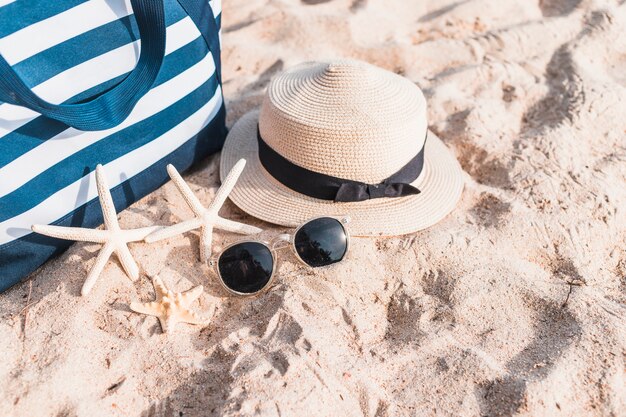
point(326, 187)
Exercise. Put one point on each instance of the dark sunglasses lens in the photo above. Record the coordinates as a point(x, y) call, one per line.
point(321, 242)
point(246, 267)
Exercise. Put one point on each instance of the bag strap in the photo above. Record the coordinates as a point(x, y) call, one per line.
point(110, 108)
point(201, 14)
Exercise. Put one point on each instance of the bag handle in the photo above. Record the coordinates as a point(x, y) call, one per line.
point(201, 13)
point(110, 108)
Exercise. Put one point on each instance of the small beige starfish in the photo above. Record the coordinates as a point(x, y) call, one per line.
point(171, 307)
point(205, 218)
point(113, 238)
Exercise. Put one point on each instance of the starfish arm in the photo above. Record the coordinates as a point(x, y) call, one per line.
point(184, 189)
point(236, 227)
point(191, 295)
point(96, 269)
point(106, 202)
point(167, 323)
point(136, 235)
point(227, 186)
point(174, 230)
point(159, 288)
point(128, 262)
point(71, 233)
point(206, 239)
point(191, 317)
point(151, 309)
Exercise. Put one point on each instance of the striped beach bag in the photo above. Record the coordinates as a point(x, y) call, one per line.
point(133, 85)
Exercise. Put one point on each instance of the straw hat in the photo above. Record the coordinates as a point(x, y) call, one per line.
point(343, 120)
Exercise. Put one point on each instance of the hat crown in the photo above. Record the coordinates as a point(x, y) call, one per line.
point(344, 118)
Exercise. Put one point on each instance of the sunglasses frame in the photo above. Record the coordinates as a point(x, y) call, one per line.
point(273, 247)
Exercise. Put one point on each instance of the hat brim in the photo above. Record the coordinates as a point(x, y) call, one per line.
point(262, 196)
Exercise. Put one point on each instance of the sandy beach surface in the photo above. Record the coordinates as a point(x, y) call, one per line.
point(515, 304)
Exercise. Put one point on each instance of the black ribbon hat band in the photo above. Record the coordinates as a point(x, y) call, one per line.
point(326, 187)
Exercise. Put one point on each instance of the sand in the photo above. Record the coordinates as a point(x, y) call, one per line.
point(515, 304)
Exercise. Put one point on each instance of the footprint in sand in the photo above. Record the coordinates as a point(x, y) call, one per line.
point(555, 329)
point(552, 8)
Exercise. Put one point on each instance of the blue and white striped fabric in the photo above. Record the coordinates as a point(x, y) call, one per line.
point(70, 51)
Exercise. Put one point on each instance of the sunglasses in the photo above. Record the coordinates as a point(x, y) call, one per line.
point(248, 267)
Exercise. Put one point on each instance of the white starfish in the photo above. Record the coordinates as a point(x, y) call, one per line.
point(113, 238)
point(205, 218)
point(171, 307)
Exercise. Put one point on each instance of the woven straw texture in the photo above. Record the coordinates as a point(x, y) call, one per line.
point(351, 120)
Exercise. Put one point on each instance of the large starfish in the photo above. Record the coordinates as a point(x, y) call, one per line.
point(113, 238)
point(205, 218)
point(171, 307)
